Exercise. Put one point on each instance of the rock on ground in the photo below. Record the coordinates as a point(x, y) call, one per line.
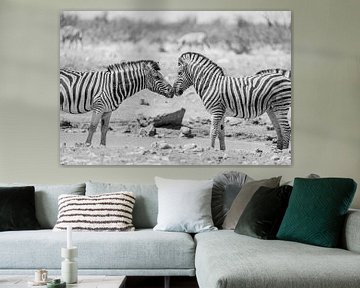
point(170, 120)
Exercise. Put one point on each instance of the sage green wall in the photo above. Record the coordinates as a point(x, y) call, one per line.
point(326, 91)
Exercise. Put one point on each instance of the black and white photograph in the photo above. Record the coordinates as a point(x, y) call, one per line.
point(175, 88)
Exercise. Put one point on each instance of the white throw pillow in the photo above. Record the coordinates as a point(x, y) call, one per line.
point(184, 205)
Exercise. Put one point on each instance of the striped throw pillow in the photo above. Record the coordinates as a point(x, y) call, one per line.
point(105, 212)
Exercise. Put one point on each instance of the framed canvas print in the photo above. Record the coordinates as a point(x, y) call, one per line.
point(175, 88)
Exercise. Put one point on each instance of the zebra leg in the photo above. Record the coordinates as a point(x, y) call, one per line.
point(275, 122)
point(214, 130)
point(105, 120)
point(282, 126)
point(95, 119)
point(221, 133)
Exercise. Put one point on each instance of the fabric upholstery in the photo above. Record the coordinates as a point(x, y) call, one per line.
point(184, 205)
point(143, 249)
point(105, 212)
point(263, 214)
point(243, 198)
point(247, 262)
point(225, 189)
point(317, 210)
point(146, 205)
point(17, 209)
point(46, 200)
point(351, 236)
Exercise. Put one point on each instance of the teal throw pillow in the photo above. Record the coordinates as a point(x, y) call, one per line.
point(316, 211)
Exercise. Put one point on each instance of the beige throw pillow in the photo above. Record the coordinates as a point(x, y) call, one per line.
point(243, 198)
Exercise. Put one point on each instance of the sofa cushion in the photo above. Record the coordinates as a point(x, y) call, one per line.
point(263, 215)
point(225, 189)
point(146, 205)
point(317, 209)
point(243, 198)
point(105, 212)
point(46, 200)
point(137, 250)
point(350, 239)
point(184, 205)
point(225, 259)
point(17, 208)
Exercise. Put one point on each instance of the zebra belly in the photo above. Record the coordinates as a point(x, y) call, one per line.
point(246, 113)
point(74, 105)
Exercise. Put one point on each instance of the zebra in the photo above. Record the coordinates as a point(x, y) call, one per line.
point(72, 35)
point(284, 72)
point(103, 91)
point(245, 97)
point(198, 39)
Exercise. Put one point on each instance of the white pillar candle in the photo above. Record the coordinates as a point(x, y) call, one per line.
point(69, 237)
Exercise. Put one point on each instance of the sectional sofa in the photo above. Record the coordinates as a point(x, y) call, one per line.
point(219, 259)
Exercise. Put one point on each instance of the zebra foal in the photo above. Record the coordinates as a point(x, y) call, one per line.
point(103, 91)
point(245, 97)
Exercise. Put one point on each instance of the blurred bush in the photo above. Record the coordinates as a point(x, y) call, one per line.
point(240, 37)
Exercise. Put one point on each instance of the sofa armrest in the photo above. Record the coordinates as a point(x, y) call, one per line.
point(351, 234)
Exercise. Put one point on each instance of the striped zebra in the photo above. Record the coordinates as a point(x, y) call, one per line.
point(284, 72)
point(103, 91)
point(72, 35)
point(245, 97)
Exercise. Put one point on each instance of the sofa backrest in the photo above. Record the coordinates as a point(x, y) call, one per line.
point(46, 200)
point(146, 203)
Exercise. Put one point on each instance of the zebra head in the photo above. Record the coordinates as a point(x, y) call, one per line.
point(155, 81)
point(183, 80)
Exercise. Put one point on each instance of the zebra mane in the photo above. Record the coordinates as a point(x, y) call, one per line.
point(284, 72)
point(133, 65)
point(198, 55)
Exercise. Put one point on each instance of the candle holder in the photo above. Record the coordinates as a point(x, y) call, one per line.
point(68, 265)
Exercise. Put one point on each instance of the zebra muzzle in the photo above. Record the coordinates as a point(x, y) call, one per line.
point(170, 93)
point(178, 92)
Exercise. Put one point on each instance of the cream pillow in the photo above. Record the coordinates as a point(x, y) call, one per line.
point(105, 212)
point(184, 205)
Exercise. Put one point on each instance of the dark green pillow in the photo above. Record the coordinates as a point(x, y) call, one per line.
point(17, 208)
point(264, 212)
point(316, 211)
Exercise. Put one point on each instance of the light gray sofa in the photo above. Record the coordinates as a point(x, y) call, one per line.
point(220, 259)
point(226, 259)
point(143, 252)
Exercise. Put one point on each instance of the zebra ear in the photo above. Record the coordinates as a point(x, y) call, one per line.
point(156, 66)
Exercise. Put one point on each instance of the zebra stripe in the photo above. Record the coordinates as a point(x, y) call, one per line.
point(245, 97)
point(103, 91)
point(105, 212)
